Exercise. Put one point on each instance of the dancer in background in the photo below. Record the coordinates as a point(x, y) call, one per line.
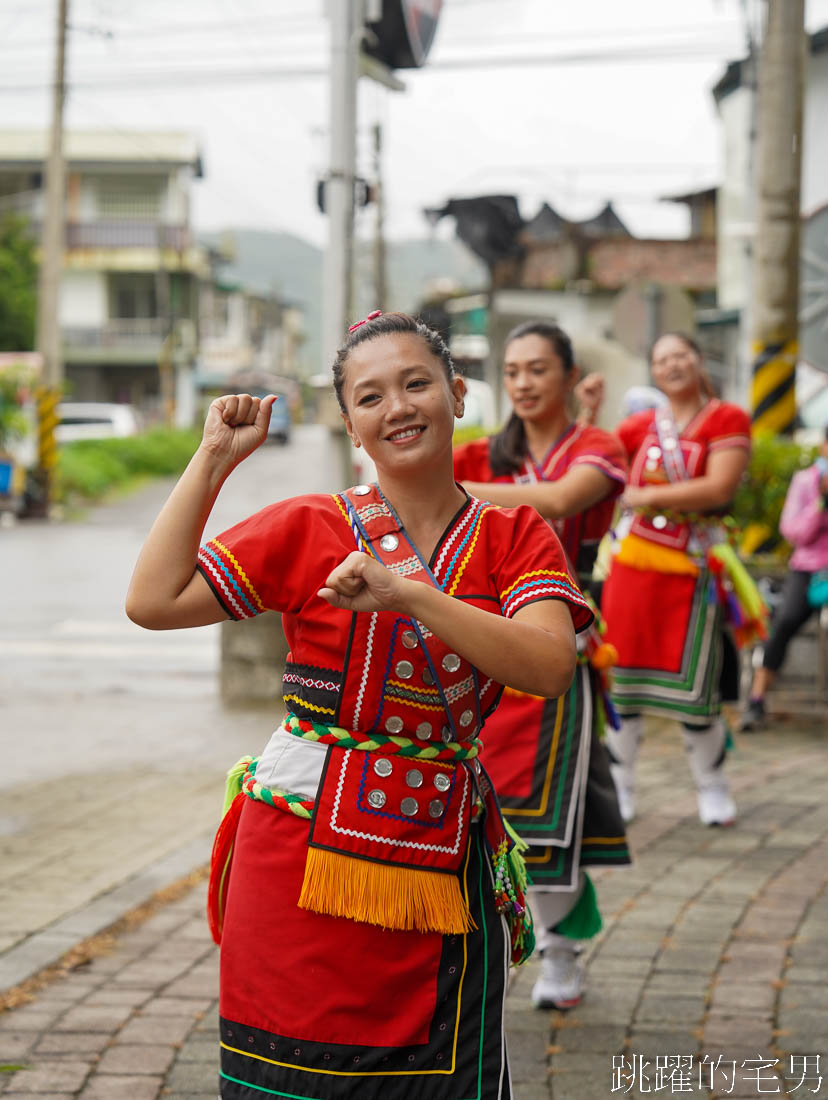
point(662, 598)
point(367, 895)
point(545, 755)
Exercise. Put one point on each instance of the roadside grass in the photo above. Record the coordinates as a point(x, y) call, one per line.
point(90, 470)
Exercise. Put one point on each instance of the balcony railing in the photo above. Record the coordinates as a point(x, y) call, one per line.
point(132, 332)
point(127, 234)
point(122, 234)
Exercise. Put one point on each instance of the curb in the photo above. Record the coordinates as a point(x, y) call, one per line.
point(46, 947)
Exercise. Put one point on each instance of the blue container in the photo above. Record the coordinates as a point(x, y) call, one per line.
point(6, 470)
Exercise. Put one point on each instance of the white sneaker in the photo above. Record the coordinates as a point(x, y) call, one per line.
point(626, 799)
point(716, 805)
point(561, 981)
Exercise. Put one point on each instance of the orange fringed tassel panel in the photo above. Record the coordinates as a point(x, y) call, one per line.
point(220, 861)
point(400, 898)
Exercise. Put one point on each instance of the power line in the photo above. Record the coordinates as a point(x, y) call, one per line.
point(188, 77)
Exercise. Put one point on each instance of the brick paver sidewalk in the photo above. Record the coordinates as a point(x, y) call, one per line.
point(714, 949)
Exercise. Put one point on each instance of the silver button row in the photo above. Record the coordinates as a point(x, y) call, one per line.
point(394, 724)
point(383, 767)
point(409, 806)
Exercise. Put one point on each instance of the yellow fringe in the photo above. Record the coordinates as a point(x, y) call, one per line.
point(400, 898)
point(640, 553)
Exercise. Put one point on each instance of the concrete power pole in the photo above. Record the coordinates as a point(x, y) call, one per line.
point(776, 254)
point(48, 326)
point(380, 281)
point(345, 18)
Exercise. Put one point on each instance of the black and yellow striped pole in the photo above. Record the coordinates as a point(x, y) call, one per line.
point(46, 400)
point(776, 254)
point(773, 387)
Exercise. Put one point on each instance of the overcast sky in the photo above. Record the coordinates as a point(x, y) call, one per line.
point(595, 100)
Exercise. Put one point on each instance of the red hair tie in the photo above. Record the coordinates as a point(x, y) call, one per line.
point(370, 317)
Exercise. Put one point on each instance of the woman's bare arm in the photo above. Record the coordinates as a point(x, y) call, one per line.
point(578, 489)
point(715, 489)
point(534, 651)
point(166, 590)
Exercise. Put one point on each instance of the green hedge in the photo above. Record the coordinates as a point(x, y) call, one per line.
point(757, 506)
point(89, 469)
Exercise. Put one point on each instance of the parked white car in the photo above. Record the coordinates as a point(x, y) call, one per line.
point(95, 420)
point(479, 413)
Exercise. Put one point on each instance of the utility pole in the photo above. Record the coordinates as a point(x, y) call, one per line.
point(345, 18)
point(749, 83)
point(380, 284)
point(776, 252)
point(48, 326)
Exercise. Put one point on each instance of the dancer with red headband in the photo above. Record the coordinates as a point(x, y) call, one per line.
point(367, 894)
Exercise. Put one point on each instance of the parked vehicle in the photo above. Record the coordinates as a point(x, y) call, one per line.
point(95, 420)
point(279, 428)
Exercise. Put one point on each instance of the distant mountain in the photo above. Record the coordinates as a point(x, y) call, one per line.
point(266, 261)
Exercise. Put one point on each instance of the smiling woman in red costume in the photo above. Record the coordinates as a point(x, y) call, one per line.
point(662, 599)
point(366, 892)
point(545, 756)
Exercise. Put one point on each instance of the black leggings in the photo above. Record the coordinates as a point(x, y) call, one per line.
point(790, 616)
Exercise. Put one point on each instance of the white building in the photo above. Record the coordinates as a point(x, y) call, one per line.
point(128, 303)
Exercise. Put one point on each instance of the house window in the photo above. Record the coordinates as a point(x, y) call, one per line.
point(132, 296)
point(130, 198)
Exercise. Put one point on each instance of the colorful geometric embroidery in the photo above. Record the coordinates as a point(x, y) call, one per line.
point(447, 545)
point(292, 678)
point(373, 511)
point(310, 706)
point(425, 698)
point(406, 567)
point(470, 537)
point(539, 584)
point(225, 574)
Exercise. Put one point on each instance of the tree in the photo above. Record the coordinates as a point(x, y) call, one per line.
point(18, 285)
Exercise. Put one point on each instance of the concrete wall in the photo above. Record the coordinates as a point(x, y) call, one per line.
point(736, 193)
point(83, 299)
point(815, 145)
point(253, 654)
point(587, 319)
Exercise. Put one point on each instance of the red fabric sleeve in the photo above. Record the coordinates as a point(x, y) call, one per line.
point(471, 461)
point(631, 431)
point(729, 427)
point(604, 451)
point(530, 564)
point(259, 564)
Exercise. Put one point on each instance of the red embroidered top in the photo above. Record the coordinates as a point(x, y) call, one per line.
point(579, 445)
point(717, 426)
point(366, 671)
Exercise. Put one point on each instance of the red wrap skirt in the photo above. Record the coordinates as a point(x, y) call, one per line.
point(315, 1007)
